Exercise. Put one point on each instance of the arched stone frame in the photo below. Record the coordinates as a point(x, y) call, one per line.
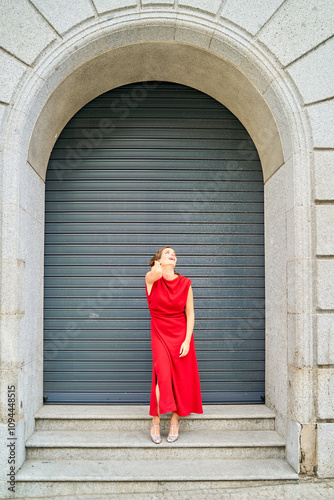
point(243, 78)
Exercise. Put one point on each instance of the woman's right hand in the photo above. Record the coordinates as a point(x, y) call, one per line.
point(155, 273)
point(157, 267)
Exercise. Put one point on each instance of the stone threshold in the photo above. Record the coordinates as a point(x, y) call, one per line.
point(155, 470)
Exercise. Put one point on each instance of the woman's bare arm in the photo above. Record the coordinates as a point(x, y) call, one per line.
point(153, 275)
point(190, 313)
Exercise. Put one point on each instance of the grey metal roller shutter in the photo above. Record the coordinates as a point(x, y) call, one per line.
point(143, 166)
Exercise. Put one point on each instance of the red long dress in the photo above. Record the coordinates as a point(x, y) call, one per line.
point(178, 378)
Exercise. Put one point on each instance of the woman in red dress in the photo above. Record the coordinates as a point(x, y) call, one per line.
point(175, 379)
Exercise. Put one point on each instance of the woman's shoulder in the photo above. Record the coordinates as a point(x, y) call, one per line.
point(184, 279)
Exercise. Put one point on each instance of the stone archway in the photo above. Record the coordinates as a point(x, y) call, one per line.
point(165, 61)
point(269, 111)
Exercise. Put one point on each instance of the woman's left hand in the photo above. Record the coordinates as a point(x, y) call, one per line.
point(184, 349)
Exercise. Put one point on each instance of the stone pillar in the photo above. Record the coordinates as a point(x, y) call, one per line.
point(21, 326)
point(12, 288)
point(324, 197)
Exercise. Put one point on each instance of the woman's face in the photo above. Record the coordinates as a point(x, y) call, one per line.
point(168, 257)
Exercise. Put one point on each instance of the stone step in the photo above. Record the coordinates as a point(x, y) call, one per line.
point(110, 417)
point(137, 445)
point(79, 450)
point(75, 477)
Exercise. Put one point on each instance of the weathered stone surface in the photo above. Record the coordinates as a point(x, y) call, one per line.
point(256, 71)
point(324, 175)
point(63, 15)
point(186, 34)
point(11, 177)
point(134, 445)
point(313, 73)
point(276, 304)
point(325, 229)
point(295, 218)
point(10, 222)
point(10, 78)
point(326, 393)
point(293, 444)
point(322, 122)
point(12, 350)
point(296, 271)
point(226, 49)
point(297, 186)
point(32, 393)
point(208, 6)
point(301, 384)
point(25, 33)
point(152, 3)
point(273, 99)
point(303, 489)
point(325, 339)
point(298, 27)
point(32, 192)
point(155, 470)
point(300, 349)
point(308, 444)
point(325, 280)
point(34, 274)
point(4, 110)
point(103, 6)
point(253, 16)
point(12, 284)
point(326, 450)
point(156, 31)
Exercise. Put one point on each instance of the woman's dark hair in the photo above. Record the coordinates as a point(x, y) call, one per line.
point(158, 255)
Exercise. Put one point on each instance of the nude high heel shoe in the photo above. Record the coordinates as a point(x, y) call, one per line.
point(172, 437)
point(156, 438)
